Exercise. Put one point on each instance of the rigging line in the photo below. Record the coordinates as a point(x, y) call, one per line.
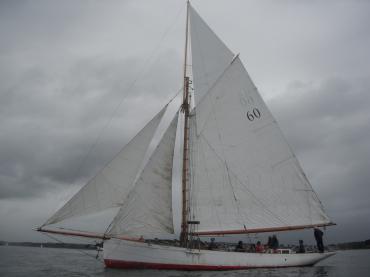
point(130, 87)
point(232, 188)
point(78, 250)
point(203, 156)
point(244, 185)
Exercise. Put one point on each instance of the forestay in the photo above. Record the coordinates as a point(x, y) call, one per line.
point(147, 209)
point(112, 184)
point(244, 174)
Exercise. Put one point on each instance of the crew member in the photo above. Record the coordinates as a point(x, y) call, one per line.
point(318, 237)
point(301, 248)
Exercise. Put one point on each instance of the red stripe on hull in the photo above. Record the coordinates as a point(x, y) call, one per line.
point(142, 265)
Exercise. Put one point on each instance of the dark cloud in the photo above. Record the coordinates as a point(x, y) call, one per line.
point(49, 124)
point(58, 93)
point(327, 124)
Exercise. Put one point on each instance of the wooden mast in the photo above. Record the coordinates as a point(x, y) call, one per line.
point(185, 110)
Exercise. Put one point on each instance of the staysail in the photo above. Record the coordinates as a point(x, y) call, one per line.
point(111, 185)
point(147, 209)
point(244, 175)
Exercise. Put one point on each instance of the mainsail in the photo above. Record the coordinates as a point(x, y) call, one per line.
point(147, 209)
point(244, 175)
point(112, 184)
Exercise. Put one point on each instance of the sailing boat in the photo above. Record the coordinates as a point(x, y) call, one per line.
point(239, 175)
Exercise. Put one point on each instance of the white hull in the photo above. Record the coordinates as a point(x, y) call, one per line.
point(130, 254)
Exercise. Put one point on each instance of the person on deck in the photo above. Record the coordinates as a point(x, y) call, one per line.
point(239, 247)
point(274, 243)
point(318, 237)
point(269, 246)
point(212, 245)
point(301, 248)
point(259, 247)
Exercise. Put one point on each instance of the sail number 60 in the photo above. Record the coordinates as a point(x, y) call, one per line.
point(255, 113)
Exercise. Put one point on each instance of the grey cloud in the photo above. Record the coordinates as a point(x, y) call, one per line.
point(64, 67)
point(49, 123)
point(58, 91)
point(327, 124)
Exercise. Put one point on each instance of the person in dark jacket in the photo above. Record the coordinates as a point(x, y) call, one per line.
point(269, 246)
point(212, 245)
point(274, 243)
point(239, 247)
point(318, 237)
point(301, 248)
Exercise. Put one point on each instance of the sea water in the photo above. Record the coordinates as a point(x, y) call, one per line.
point(31, 261)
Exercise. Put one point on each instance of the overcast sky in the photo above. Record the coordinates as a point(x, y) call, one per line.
point(65, 66)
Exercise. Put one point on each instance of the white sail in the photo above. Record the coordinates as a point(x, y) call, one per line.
point(244, 174)
point(148, 207)
point(111, 185)
point(210, 56)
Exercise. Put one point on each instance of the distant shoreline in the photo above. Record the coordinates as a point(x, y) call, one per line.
point(339, 246)
point(355, 245)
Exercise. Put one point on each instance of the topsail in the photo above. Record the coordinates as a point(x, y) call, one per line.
point(210, 56)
